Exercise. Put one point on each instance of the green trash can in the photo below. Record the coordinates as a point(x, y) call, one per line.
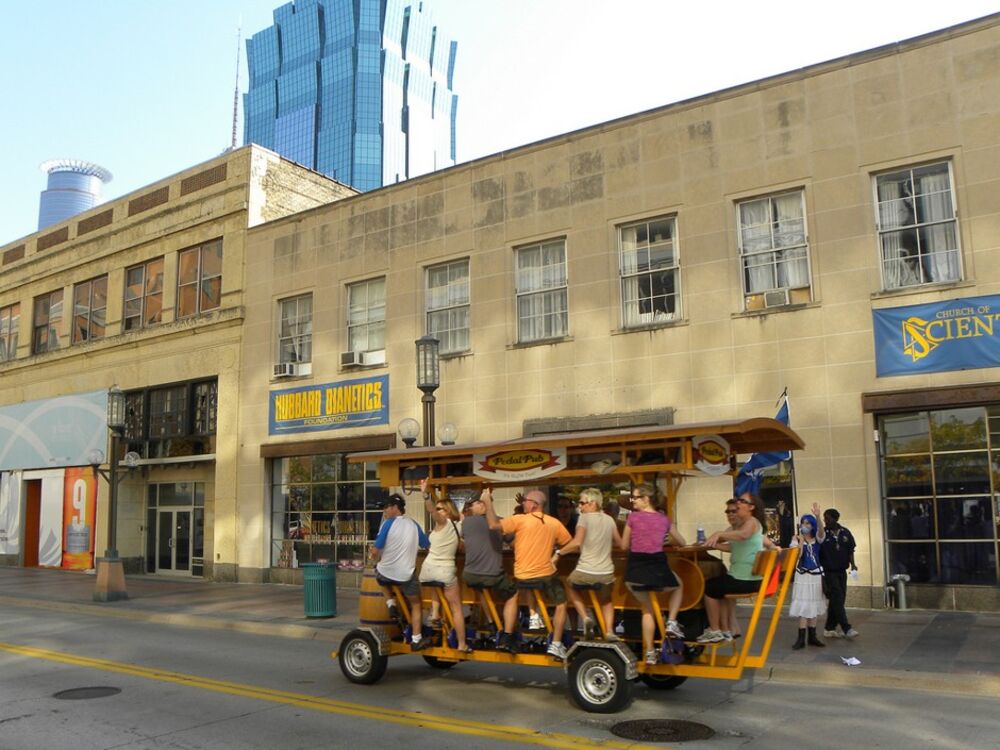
point(320, 589)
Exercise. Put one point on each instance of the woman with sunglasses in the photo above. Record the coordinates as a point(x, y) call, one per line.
point(646, 531)
point(742, 540)
point(439, 565)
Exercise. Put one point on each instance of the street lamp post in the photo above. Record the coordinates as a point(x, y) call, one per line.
point(428, 380)
point(110, 584)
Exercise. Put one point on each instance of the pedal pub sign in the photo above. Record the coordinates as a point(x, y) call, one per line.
point(960, 334)
point(330, 406)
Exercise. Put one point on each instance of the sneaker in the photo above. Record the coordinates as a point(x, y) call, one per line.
point(588, 629)
point(505, 642)
point(557, 650)
point(652, 658)
point(421, 644)
point(831, 633)
point(535, 622)
point(393, 612)
point(674, 630)
point(711, 636)
point(727, 636)
point(612, 638)
point(852, 633)
point(434, 622)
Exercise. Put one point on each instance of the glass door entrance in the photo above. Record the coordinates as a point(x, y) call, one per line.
point(175, 528)
point(173, 541)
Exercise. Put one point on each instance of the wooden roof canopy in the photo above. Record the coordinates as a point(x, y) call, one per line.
point(630, 453)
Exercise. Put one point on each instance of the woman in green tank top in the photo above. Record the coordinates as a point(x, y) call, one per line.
point(743, 540)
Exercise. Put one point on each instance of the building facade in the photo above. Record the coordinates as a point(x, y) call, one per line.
point(360, 90)
point(833, 231)
point(145, 292)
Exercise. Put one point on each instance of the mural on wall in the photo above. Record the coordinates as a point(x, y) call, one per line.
point(54, 432)
point(330, 406)
point(960, 334)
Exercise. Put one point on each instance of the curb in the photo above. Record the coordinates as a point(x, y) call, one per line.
point(987, 686)
point(280, 630)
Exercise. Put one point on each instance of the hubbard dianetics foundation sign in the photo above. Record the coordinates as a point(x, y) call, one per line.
point(330, 406)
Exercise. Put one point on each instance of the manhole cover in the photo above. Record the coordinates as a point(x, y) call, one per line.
point(86, 693)
point(662, 730)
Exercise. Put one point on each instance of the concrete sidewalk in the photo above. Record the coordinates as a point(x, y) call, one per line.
point(955, 652)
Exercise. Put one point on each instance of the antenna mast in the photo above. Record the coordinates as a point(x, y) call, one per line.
point(236, 88)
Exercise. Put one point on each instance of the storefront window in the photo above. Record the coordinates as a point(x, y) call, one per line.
point(941, 485)
point(323, 509)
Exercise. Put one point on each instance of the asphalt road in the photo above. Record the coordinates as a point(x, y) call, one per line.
point(189, 688)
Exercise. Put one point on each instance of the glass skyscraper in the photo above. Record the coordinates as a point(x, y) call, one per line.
point(360, 90)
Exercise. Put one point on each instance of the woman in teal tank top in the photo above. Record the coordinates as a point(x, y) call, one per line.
point(743, 540)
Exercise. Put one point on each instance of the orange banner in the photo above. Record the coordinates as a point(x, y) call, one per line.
point(79, 517)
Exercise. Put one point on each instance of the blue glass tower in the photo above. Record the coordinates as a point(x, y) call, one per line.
point(360, 90)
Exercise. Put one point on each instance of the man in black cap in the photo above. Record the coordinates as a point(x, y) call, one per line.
point(399, 538)
point(836, 554)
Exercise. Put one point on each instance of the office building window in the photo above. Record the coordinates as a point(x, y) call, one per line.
point(366, 316)
point(48, 315)
point(172, 420)
point(199, 279)
point(940, 489)
point(10, 321)
point(542, 297)
point(295, 329)
point(90, 307)
point(143, 295)
point(917, 228)
point(447, 296)
point(774, 252)
point(649, 271)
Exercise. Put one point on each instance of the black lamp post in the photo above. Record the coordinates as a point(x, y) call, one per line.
point(428, 380)
point(110, 570)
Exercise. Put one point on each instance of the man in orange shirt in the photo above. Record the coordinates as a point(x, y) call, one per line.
point(536, 536)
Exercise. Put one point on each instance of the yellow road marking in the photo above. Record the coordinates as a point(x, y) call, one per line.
point(329, 705)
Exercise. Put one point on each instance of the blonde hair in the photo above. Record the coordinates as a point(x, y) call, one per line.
point(592, 495)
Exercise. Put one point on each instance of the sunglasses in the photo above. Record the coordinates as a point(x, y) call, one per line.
point(730, 512)
point(440, 507)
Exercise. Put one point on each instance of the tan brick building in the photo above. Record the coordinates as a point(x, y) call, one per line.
point(686, 263)
point(146, 292)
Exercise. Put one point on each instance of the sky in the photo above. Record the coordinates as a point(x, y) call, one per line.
point(145, 87)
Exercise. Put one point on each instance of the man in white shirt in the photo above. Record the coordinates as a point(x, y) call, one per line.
point(399, 538)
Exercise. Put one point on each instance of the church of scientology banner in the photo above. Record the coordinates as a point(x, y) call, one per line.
point(960, 334)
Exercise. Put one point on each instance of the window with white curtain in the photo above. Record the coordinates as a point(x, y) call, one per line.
point(647, 252)
point(447, 300)
point(918, 232)
point(540, 286)
point(774, 251)
point(295, 329)
point(366, 316)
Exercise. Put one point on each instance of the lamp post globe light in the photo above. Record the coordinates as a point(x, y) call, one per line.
point(447, 433)
point(408, 429)
point(110, 584)
point(428, 380)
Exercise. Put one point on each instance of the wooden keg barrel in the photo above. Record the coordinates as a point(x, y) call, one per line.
point(371, 605)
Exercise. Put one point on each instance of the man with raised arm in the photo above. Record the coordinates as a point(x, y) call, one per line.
point(536, 537)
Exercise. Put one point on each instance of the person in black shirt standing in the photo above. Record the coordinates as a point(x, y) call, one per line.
point(836, 555)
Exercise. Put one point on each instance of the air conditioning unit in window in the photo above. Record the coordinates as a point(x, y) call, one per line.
point(373, 358)
point(776, 298)
point(351, 359)
point(284, 370)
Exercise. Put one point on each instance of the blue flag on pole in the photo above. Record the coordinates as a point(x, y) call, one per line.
point(751, 473)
